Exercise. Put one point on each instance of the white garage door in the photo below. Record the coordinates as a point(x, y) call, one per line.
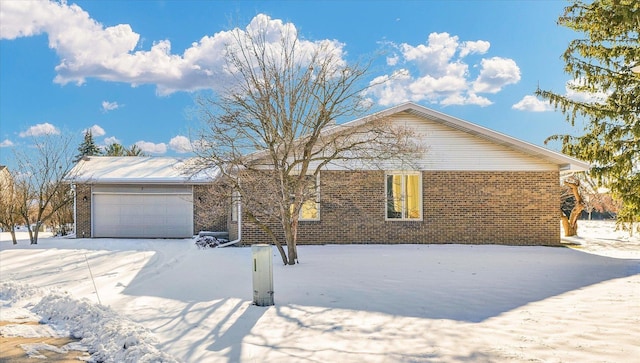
point(142, 212)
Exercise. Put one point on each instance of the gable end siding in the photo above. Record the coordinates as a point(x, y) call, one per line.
point(447, 148)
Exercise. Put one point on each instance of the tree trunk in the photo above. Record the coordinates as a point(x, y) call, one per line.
point(283, 255)
point(569, 230)
point(13, 236)
point(570, 224)
point(35, 234)
point(291, 235)
point(292, 251)
point(31, 235)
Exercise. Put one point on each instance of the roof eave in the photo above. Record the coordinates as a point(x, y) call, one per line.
point(139, 181)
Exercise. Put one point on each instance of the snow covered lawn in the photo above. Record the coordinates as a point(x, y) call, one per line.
point(166, 300)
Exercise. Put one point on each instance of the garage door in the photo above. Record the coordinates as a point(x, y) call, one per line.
point(142, 212)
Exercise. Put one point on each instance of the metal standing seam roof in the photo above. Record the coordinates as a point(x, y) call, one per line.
point(135, 169)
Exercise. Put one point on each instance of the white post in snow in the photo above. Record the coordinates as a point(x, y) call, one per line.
point(262, 270)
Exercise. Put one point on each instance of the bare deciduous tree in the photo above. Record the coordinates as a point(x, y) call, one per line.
point(273, 131)
point(581, 193)
point(41, 189)
point(597, 199)
point(9, 216)
point(573, 205)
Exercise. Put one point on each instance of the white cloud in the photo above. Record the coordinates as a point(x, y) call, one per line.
point(573, 92)
point(496, 73)
point(470, 47)
point(152, 148)
point(469, 99)
point(393, 60)
point(434, 57)
point(111, 140)
point(88, 49)
point(180, 144)
point(40, 130)
point(6, 143)
point(96, 131)
point(532, 104)
point(440, 73)
point(438, 69)
point(109, 106)
point(392, 89)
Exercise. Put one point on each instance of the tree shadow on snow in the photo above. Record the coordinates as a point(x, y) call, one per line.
point(468, 283)
point(464, 283)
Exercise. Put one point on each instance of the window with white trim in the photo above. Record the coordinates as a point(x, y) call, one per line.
point(404, 196)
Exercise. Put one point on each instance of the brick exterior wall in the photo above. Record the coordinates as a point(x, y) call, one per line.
point(206, 213)
point(83, 211)
point(492, 207)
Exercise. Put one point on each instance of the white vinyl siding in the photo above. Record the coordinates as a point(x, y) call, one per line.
point(447, 148)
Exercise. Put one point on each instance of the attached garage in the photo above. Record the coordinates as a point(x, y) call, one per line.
point(142, 211)
point(134, 197)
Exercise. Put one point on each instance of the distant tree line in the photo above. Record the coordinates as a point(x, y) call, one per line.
point(88, 147)
point(35, 193)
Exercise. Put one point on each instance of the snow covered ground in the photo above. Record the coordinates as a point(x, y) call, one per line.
point(167, 300)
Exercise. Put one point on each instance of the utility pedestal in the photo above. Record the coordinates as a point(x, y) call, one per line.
point(262, 269)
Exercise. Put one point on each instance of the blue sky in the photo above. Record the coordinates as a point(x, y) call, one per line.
point(130, 69)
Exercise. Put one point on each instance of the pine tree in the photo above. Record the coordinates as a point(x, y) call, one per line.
point(115, 149)
point(88, 147)
point(603, 63)
point(134, 150)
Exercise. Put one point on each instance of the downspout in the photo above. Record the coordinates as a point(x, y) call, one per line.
point(237, 240)
point(75, 210)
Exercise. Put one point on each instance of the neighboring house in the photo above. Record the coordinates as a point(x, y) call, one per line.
point(471, 185)
point(134, 197)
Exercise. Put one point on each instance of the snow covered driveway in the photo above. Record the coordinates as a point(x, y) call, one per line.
point(375, 303)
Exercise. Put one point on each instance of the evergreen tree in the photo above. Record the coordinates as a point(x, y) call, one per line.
point(604, 63)
point(135, 150)
point(88, 147)
point(115, 149)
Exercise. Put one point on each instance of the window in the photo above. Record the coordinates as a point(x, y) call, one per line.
point(404, 196)
point(310, 210)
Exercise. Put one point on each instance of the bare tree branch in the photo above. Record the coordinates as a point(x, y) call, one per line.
point(277, 125)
